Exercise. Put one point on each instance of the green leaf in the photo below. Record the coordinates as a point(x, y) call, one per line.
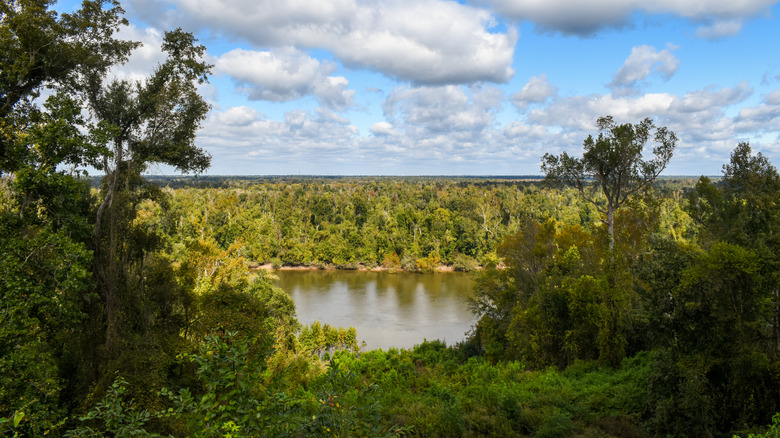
point(18, 418)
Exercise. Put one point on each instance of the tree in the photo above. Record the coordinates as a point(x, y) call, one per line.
point(137, 124)
point(38, 49)
point(715, 308)
point(151, 121)
point(743, 210)
point(613, 164)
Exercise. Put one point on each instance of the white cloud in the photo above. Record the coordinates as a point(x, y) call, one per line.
point(238, 116)
point(423, 41)
point(285, 74)
point(720, 29)
point(537, 90)
point(700, 118)
point(455, 109)
point(382, 128)
point(241, 138)
point(764, 118)
point(143, 59)
point(427, 129)
point(330, 116)
point(710, 99)
point(641, 63)
point(773, 98)
point(584, 18)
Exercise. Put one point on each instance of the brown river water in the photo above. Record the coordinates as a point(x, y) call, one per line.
point(387, 309)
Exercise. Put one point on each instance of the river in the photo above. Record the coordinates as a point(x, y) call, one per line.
point(387, 309)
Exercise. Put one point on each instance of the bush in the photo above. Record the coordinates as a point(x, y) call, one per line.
point(772, 432)
point(464, 263)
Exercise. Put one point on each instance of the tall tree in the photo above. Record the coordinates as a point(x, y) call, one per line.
point(612, 164)
point(137, 124)
point(743, 210)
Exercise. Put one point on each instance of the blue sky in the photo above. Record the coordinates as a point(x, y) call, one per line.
point(481, 87)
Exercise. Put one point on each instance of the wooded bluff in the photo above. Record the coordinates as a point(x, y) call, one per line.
point(624, 305)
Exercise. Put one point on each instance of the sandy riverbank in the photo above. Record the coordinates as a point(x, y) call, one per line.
point(270, 267)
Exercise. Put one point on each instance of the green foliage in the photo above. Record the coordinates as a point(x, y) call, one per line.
point(231, 392)
point(741, 210)
point(717, 373)
point(717, 308)
point(772, 432)
point(400, 222)
point(464, 263)
point(554, 303)
point(45, 278)
point(439, 392)
point(234, 401)
point(132, 125)
point(155, 283)
point(612, 164)
point(114, 417)
point(42, 49)
point(317, 339)
point(347, 407)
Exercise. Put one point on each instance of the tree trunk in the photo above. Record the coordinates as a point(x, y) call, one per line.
point(611, 231)
point(105, 252)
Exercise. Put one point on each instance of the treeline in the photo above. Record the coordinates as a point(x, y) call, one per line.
point(397, 223)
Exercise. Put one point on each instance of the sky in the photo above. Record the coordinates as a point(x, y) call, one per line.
point(471, 87)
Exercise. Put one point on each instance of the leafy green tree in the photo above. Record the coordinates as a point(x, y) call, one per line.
point(231, 398)
point(612, 165)
point(773, 430)
point(743, 210)
point(717, 364)
point(715, 307)
point(38, 49)
point(137, 124)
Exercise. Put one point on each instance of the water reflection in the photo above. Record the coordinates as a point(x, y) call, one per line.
point(388, 310)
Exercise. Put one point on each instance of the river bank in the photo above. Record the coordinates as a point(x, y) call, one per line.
point(272, 267)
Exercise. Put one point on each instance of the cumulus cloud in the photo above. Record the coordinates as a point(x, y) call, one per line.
point(709, 98)
point(719, 29)
point(446, 124)
point(700, 118)
point(330, 116)
point(428, 42)
point(576, 17)
point(694, 113)
point(245, 139)
point(773, 98)
point(451, 108)
point(763, 118)
point(537, 90)
point(382, 128)
point(143, 59)
point(640, 64)
point(427, 129)
point(238, 116)
point(285, 74)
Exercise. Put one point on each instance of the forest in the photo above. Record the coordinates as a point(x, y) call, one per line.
point(611, 302)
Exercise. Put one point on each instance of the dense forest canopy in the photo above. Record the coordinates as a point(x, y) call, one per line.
point(130, 309)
